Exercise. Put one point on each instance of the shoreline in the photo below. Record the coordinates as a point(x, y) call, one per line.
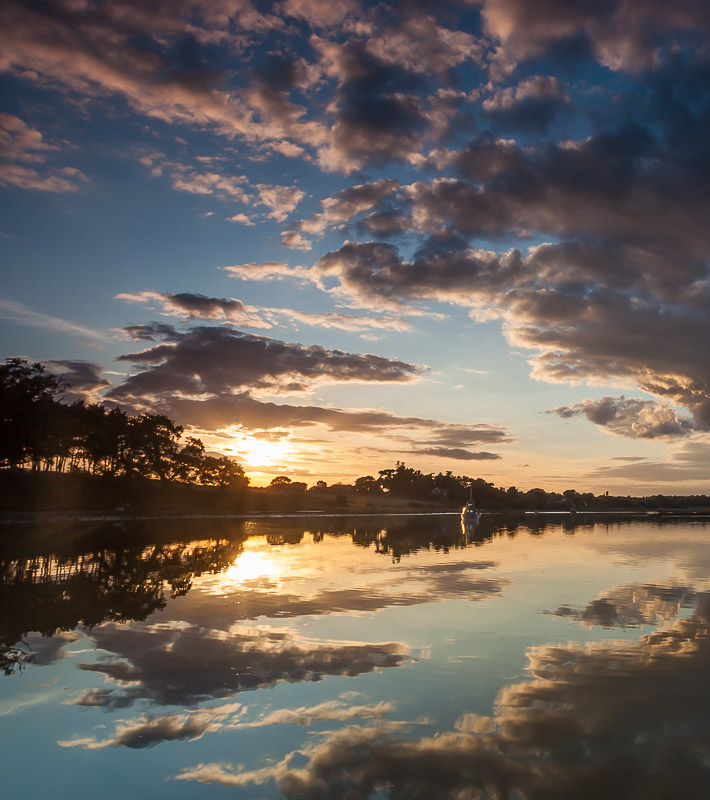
point(30, 517)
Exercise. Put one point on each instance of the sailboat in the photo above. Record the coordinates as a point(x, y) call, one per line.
point(469, 513)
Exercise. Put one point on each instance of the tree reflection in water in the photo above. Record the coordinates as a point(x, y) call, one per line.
point(116, 576)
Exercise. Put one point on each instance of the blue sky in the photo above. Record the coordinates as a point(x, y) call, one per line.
point(327, 236)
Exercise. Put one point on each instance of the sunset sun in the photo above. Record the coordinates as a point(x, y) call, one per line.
point(261, 452)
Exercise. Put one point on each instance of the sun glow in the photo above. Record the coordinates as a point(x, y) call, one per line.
point(263, 453)
point(250, 451)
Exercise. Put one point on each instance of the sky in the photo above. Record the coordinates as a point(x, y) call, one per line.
point(328, 236)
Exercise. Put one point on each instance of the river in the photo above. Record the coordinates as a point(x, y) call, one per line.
point(527, 657)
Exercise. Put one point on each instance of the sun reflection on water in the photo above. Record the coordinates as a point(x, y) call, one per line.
point(250, 565)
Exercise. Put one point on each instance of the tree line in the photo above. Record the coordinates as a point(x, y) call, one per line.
point(407, 482)
point(40, 433)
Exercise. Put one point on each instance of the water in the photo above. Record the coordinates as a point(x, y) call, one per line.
point(367, 657)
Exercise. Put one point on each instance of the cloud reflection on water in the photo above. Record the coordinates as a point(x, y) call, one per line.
point(612, 719)
point(631, 606)
point(184, 666)
point(147, 731)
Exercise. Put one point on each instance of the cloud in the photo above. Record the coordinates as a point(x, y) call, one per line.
point(23, 151)
point(281, 200)
point(268, 270)
point(189, 665)
point(320, 13)
point(457, 453)
point(241, 219)
point(42, 650)
point(621, 35)
point(689, 462)
point(632, 418)
point(198, 306)
point(84, 378)
point(378, 116)
point(151, 332)
point(242, 409)
point(348, 204)
point(384, 223)
point(530, 106)
point(294, 241)
point(226, 187)
point(593, 312)
point(419, 43)
point(332, 710)
point(345, 322)
point(17, 312)
point(160, 62)
point(208, 361)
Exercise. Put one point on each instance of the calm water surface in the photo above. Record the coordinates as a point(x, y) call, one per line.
point(381, 657)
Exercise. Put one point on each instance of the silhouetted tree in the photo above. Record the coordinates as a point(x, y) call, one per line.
point(38, 432)
point(368, 485)
point(26, 396)
point(405, 481)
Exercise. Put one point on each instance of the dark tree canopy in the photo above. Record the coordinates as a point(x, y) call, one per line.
point(39, 432)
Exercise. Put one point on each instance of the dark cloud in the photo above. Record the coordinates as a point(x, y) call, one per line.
point(457, 453)
point(530, 106)
point(191, 306)
point(153, 331)
point(349, 203)
point(379, 117)
point(617, 293)
point(634, 418)
point(188, 665)
point(208, 361)
point(199, 305)
point(384, 223)
point(84, 377)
